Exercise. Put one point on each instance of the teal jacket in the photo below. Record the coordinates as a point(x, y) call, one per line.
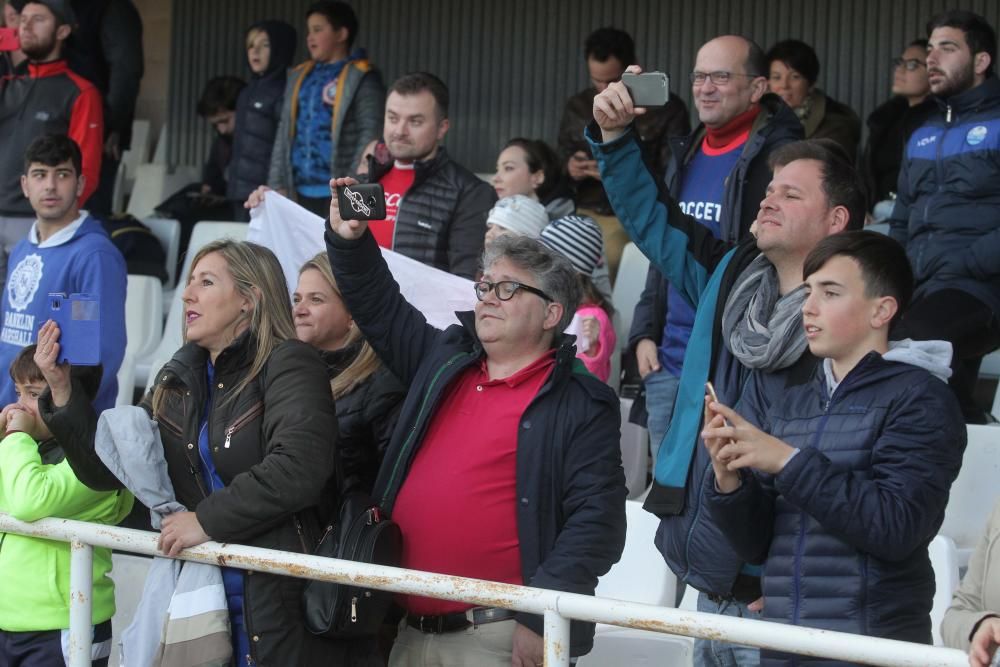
point(37, 482)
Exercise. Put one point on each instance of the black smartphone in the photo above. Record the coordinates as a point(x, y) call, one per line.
point(649, 89)
point(362, 201)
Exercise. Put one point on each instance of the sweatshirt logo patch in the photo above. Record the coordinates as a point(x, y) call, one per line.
point(976, 135)
point(24, 281)
point(42, 115)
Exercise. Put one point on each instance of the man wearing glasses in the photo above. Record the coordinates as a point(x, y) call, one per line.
point(505, 462)
point(891, 124)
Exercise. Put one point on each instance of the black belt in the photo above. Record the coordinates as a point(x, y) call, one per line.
point(459, 620)
point(745, 590)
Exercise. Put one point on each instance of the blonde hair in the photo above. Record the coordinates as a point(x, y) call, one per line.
point(258, 279)
point(252, 34)
point(366, 362)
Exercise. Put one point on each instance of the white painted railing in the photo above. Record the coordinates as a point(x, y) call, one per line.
point(557, 607)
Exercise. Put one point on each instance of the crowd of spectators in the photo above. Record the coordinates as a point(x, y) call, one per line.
point(805, 383)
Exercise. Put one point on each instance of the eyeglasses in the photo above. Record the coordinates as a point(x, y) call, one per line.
point(911, 64)
point(717, 78)
point(506, 289)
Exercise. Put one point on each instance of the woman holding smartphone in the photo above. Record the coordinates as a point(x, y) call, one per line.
point(245, 417)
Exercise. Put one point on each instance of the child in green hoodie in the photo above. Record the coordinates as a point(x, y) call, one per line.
point(36, 482)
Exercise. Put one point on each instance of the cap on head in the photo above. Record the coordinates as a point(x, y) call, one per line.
point(576, 238)
point(61, 9)
point(519, 214)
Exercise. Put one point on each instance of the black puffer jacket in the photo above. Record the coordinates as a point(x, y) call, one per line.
point(258, 112)
point(366, 416)
point(442, 218)
point(271, 445)
point(889, 127)
point(947, 211)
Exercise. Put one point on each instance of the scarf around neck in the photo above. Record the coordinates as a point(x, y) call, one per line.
point(761, 328)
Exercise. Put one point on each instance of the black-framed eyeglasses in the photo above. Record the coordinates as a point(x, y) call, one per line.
point(506, 289)
point(719, 78)
point(910, 64)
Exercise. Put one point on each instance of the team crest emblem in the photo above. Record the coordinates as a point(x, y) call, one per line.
point(976, 135)
point(23, 282)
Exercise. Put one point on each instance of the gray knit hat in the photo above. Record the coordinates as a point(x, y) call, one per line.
point(576, 238)
point(519, 214)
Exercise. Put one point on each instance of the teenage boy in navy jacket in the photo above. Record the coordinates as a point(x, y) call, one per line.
point(837, 480)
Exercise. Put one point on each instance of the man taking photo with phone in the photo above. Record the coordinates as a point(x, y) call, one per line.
point(66, 251)
point(747, 301)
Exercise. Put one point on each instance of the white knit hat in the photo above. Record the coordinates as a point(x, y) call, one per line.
point(519, 214)
point(576, 238)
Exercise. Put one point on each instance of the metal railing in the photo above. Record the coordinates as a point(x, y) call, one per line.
point(557, 607)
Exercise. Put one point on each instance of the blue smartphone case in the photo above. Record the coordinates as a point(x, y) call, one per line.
point(79, 320)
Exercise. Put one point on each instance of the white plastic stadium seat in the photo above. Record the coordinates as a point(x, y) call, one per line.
point(154, 183)
point(202, 234)
point(975, 491)
point(129, 574)
point(635, 451)
point(168, 232)
point(126, 381)
point(143, 315)
point(944, 560)
point(629, 282)
point(640, 576)
point(138, 151)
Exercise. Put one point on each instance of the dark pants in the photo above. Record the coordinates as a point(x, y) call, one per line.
point(969, 325)
point(45, 648)
point(99, 204)
point(318, 205)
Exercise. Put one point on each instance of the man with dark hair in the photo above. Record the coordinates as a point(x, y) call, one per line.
point(837, 484)
point(66, 251)
point(332, 109)
point(47, 99)
point(607, 52)
point(747, 301)
point(538, 498)
point(718, 175)
point(435, 208)
point(217, 105)
point(947, 212)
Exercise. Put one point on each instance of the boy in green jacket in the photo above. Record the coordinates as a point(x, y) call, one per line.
point(36, 482)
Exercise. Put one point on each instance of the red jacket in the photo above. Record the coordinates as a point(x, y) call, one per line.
point(49, 99)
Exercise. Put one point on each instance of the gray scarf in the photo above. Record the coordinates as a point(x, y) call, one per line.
point(760, 327)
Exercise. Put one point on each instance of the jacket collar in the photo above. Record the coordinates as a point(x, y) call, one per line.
point(985, 94)
point(48, 69)
point(565, 343)
point(422, 168)
point(189, 362)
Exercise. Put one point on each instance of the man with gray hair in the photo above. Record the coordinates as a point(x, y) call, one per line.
point(505, 463)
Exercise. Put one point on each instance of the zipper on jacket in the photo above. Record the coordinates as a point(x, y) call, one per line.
point(302, 534)
point(241, 421)
point(404, 449)
point(251, 658)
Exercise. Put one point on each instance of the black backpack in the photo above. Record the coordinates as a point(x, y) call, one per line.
point(142, 250)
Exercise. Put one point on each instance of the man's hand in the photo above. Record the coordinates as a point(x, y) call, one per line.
point(528, 648)
point(180, 531)
point(256, 197)
point(984, 642)
point(113, 146)
point(648, 357)
point(749, 447)
point(613, 109)
point(580, 166)
point(57, 376)
point(726, 480)
point(345, 229)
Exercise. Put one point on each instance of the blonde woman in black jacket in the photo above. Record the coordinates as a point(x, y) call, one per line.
point(246, 418)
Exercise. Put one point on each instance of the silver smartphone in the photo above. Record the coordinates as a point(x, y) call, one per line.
point(649, 89)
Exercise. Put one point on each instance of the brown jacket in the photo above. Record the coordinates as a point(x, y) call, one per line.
point(979, 594)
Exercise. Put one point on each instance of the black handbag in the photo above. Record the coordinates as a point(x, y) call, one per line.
point(364, 534)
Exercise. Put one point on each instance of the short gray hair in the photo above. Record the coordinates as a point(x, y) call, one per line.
point(552, 272)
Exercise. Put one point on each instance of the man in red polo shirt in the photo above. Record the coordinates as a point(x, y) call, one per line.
point(505, 463)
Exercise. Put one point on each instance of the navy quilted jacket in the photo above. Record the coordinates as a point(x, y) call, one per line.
point(843, 529)
point(947, 211)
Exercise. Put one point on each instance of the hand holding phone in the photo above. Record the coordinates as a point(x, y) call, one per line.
point(361, 201)
point(79, 320)
point(648, 89)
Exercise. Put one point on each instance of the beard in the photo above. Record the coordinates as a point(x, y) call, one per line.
point(960, 81)
point(40, 50)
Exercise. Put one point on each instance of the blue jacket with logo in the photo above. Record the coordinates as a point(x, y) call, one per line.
point(843, 529)
point(947, 211)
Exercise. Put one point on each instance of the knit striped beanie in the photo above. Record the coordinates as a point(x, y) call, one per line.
point(576, 238)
